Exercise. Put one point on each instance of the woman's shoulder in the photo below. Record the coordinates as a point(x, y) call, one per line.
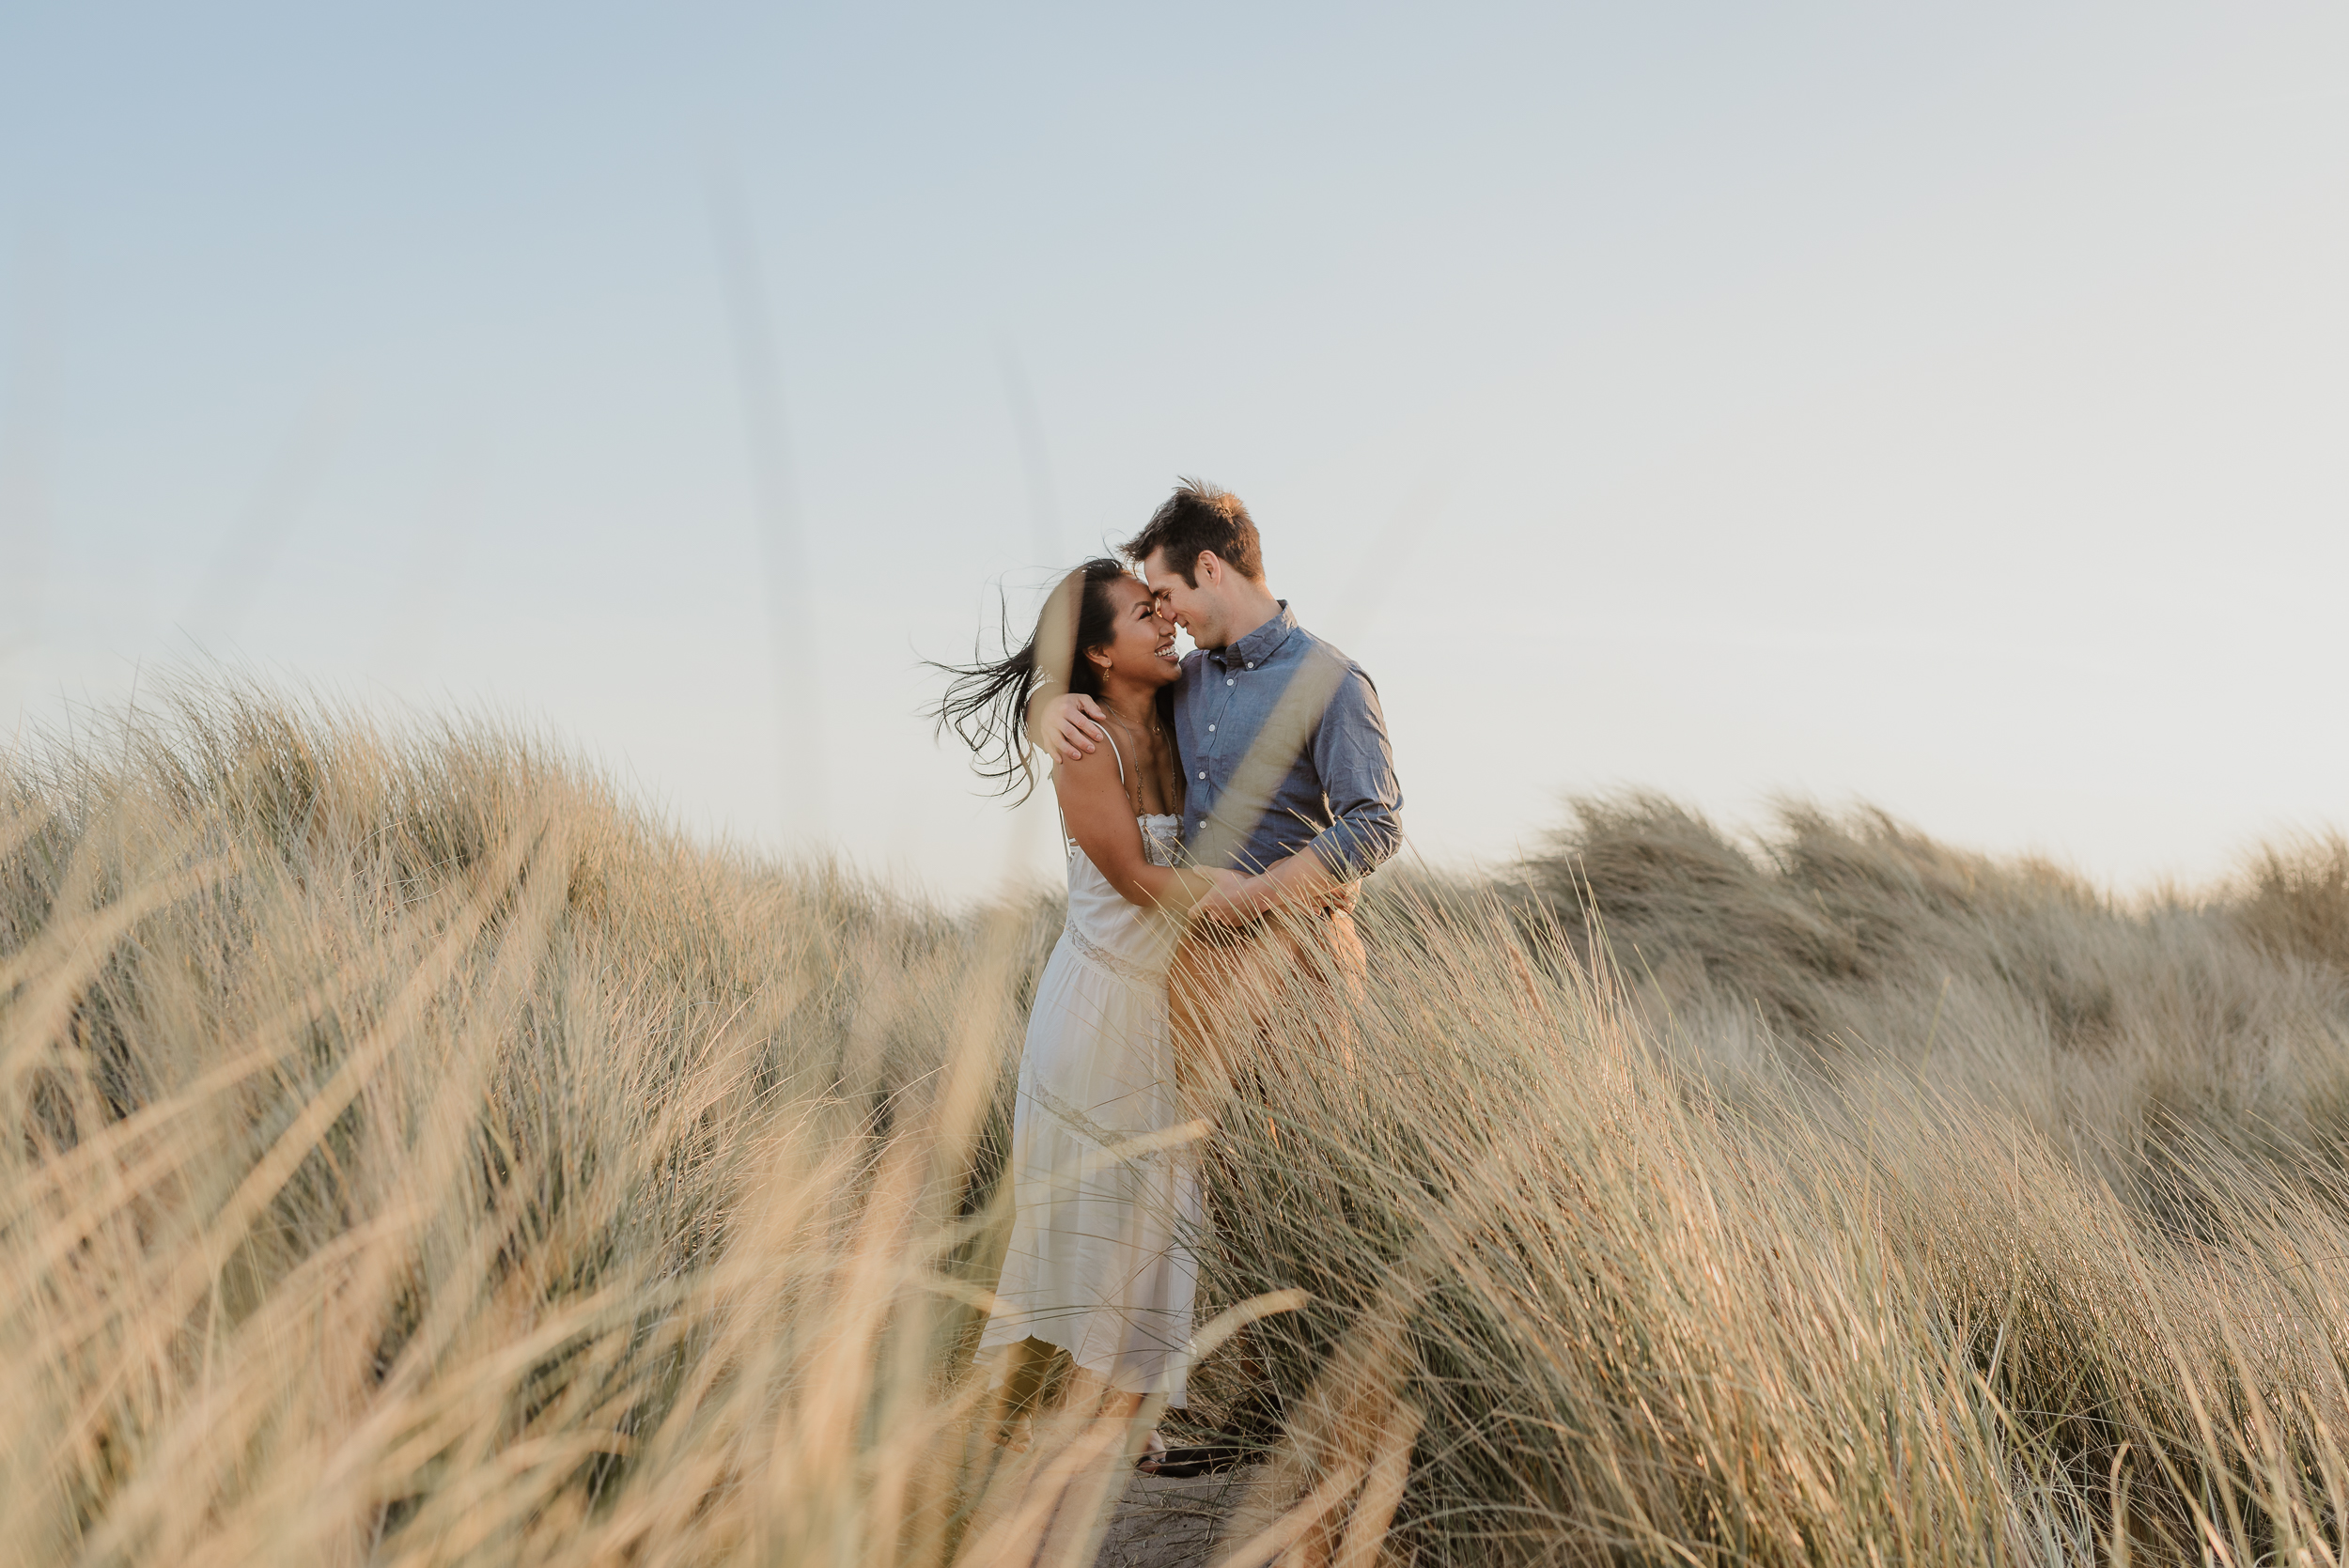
point(1101, 762)
point(1099, 772)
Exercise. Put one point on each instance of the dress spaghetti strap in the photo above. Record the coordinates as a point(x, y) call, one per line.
point(1121, 783)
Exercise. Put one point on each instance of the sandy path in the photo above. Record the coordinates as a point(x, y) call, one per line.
point(1170, 1524)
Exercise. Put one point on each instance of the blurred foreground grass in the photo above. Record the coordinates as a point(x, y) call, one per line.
point(414, 1155)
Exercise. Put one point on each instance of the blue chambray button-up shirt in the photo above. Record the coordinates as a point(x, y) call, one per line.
point(1284, 746)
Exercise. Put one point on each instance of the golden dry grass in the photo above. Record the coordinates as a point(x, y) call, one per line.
point(414, 1155)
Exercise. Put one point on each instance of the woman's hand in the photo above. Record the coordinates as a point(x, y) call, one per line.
point(1058, 724)
point(1234, 899)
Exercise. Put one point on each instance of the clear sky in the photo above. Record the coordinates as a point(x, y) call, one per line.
point(1940, 406)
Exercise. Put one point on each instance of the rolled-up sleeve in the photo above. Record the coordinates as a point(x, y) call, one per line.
point(1357, 766)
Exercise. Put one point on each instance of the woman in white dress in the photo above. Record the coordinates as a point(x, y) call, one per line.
point(1104, 1185)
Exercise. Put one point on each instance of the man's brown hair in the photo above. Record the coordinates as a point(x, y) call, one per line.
point(1200, 516)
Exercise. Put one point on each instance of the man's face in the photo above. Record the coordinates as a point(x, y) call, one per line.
point(1193, 609)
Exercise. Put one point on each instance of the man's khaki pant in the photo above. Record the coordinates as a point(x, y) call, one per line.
point(1228, 986)
point(1348, 1436)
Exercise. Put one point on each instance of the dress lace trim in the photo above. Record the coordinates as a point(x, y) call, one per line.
point(1115, 1146)
point(1070, 1114)
point(1118, 1146)
point(1162, 840)
point(1125, 968)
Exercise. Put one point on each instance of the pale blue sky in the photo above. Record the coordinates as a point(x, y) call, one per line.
point(1940, 407)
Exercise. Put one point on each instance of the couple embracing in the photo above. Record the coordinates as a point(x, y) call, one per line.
point(1221, 811)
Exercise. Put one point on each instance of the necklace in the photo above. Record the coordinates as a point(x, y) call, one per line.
point(1133, 785)
point(1128, 726)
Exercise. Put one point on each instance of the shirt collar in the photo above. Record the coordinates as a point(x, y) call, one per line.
point(1261, 644)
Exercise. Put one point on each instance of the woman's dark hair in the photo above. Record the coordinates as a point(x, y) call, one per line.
point(987, 703)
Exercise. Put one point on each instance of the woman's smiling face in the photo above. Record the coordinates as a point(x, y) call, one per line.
point(1142, 647)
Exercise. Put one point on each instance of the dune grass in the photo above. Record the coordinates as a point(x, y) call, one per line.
point(414, 1154)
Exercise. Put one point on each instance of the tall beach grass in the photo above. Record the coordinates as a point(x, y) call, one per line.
point(415, 1153)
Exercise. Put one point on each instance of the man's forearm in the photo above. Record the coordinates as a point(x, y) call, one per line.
point(1046, 688)
point(1360, 843)
point(1302, 879)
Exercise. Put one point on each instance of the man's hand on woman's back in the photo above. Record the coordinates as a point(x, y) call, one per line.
point(1065, 725)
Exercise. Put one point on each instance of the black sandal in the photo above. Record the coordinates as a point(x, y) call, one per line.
point(1200, 1459)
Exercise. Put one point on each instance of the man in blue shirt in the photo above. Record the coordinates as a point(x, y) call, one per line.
point(1287, 772)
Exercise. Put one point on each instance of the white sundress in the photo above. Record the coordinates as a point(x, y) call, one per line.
point(1104, 1191)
